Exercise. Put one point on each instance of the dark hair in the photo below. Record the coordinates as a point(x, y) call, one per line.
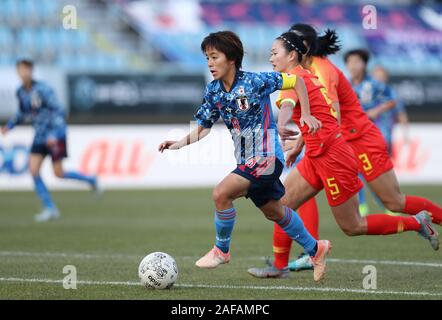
point(362, 53)
point(293, 42)
point(26, 62)
point(319, 46)
point(228, 43)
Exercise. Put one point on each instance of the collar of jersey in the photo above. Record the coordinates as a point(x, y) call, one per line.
point(237, 75)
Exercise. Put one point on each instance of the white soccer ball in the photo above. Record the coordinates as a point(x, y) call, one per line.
point(158, 270)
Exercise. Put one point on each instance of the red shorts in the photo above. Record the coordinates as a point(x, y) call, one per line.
point(372, 153)
point(336, 170)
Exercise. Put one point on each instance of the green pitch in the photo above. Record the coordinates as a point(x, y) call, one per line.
point(105, 239)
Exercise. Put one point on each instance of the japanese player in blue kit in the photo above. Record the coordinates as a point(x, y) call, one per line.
point(38, 104)
point(242, 100)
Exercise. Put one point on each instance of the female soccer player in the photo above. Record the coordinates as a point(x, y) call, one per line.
point(38, 103)
point(365, 139)
point(329, 161)
point(242, 100)
point(376, 100)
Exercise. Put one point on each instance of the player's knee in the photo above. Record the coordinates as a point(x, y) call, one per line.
point(289, 202)
point(272, 216)
point(219, 196)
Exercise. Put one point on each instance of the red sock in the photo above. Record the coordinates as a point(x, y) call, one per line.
point(281, 247)
point(414, 205)
point(385, 224)
point(308, 213)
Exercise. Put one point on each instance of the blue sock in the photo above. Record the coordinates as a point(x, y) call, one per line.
point(78, 176)
point(294, 227)
point(361, 195)
point(43, 193)
point(224, 222)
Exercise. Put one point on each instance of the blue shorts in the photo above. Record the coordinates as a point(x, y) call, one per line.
point(57, 152)
point(264, 176)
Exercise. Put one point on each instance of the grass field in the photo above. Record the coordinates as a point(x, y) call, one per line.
point(105, 239)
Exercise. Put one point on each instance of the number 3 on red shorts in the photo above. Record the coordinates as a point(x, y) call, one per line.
point(365, 162)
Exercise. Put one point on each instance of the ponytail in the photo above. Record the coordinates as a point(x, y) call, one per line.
point(327, 44)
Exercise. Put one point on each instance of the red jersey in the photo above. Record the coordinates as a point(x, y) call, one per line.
point(354, 121)
point(320, 108)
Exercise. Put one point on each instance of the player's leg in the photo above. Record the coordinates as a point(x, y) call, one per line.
point(230, 188)
point(308, 212)
point(302, 185)
point(387, 189)
point(289, 221)
point(350, 221)
point(58, 153)
point(50, 210)
point(376, 166)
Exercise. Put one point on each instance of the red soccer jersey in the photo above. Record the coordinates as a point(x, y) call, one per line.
point(354, 121)
point(320, 108)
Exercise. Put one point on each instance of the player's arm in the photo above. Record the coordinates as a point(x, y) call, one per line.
point(284, 117)
point(15, 120)
point(294, 148)
point(385, 95)
point(195, 135)
point(297, 83)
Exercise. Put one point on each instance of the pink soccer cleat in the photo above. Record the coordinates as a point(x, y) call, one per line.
point(319, 263)
point(213, 259)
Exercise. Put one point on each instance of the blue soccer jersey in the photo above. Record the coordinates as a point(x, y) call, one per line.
point(40, 106)
point(372, 93)
point(247, 113)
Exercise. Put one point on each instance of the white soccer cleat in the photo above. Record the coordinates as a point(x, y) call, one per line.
point(47, 214)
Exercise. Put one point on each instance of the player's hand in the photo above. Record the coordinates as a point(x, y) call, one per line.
point(4, 130)
point(312, 123)
point(168, 144)
point(287, 133)
point(373, 114)
point(291, 156)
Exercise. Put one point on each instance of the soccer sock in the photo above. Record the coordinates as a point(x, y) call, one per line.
point(414, 205)
point(224, 222)
point(308, 213)
point(43, 192)
point(294, 227)
point(281, 247)
point(361, 196)
point(78, 176)
point(383, 224)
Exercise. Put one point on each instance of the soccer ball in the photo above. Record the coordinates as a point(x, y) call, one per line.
point(158, 270)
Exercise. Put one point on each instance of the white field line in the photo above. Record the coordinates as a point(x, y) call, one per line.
point(230, 287)
point(134, 257)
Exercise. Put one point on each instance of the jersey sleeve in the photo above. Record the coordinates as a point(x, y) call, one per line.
point(208, 112)
point(287, 96)
point(274, 81)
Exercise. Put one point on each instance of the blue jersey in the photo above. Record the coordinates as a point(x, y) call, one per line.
point(372, 93)
point(388, 119)
point(40, 106)
point(247, 112)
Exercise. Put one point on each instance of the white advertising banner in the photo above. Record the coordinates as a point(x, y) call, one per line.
point(127, 157)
